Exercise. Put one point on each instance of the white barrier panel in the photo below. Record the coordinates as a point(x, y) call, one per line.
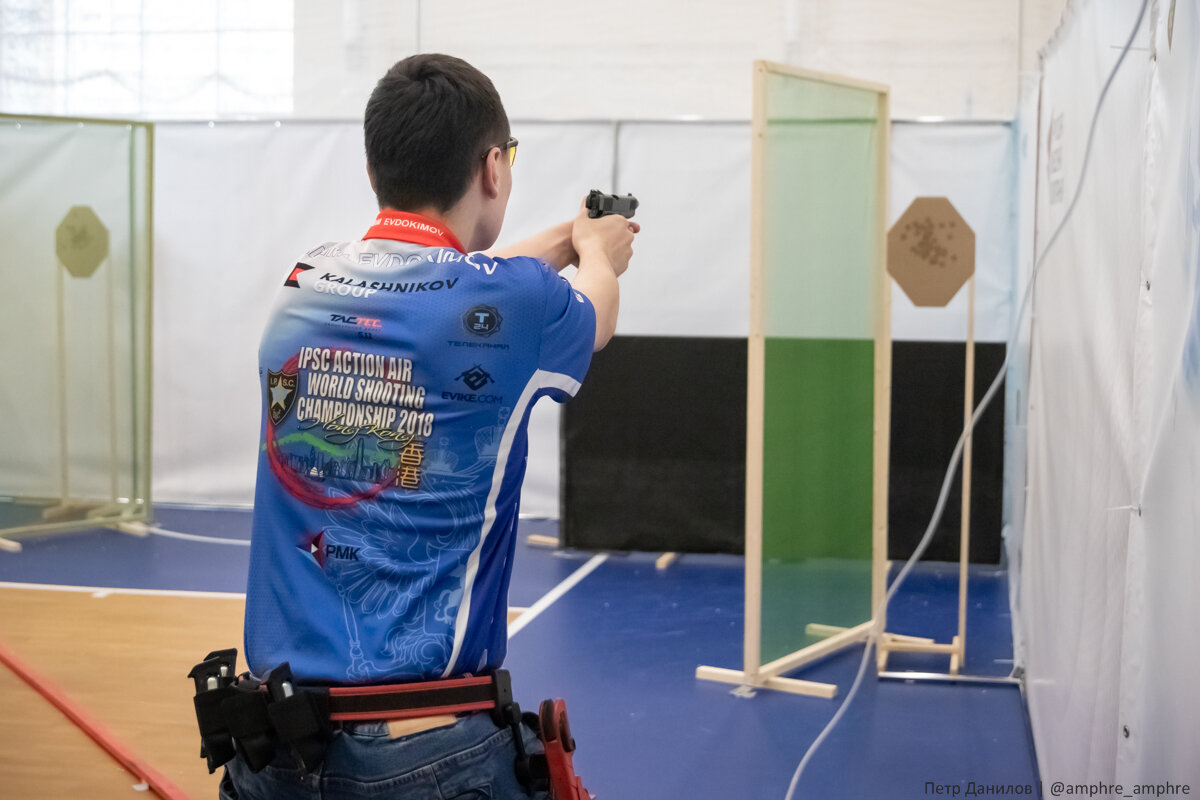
point(1084, 386)
point(972, 165)
point(1016, 384)
point(691, 274)
point(1159, 693)
point(690, 277)
point(557, 165)
point(238, 202)
point(235, 206)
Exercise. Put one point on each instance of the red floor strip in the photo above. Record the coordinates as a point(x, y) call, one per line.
point(92, 727)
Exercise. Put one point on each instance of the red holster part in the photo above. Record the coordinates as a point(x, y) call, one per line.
point(556, 736)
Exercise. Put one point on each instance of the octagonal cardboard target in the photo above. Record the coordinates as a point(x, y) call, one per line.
point(81, 241)
point(931, 251)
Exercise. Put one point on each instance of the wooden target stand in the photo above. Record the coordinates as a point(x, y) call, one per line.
point(931, 254)
point(82, 246)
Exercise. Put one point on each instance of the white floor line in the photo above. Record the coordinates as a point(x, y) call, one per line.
point(104, 591)
point(548, 600)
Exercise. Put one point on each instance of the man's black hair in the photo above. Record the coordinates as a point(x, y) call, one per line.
point(427, 125)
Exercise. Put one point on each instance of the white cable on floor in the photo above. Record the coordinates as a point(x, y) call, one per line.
point(983, 404)
point(142, 529)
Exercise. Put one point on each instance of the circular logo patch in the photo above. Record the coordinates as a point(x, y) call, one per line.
point(482, 320)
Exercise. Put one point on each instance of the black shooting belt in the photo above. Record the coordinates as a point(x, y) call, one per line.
point(253, 717)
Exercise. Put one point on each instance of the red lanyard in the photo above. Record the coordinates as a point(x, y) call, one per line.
point(405, 227)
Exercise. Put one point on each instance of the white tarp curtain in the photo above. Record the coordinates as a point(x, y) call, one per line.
point(972, 165)
point(1016, 384)
point(236, 204)
point(1081, 426)
point(1109, 620)
point(1159, 694)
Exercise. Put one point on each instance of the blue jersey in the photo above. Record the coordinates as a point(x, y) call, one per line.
point(398, 374)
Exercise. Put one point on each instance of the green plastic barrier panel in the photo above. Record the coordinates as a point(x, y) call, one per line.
point(819, 367)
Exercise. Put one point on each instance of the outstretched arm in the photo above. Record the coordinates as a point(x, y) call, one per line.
point(605, 246)
point(553, 245)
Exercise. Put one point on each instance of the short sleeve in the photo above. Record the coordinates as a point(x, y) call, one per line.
point(568, 329)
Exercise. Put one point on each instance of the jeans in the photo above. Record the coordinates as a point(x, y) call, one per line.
point(469, 760)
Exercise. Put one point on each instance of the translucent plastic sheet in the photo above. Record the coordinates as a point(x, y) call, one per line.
point(818, 303)
point(74, 323)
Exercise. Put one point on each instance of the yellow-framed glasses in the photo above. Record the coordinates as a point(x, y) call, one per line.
point(510, 147)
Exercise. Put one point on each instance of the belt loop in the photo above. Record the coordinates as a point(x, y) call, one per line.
point(503, 683)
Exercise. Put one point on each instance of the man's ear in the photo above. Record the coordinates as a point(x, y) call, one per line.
point(490, 174)
point(371, 178)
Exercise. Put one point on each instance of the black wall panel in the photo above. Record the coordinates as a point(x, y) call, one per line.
point(654, 448)
point(927, 418)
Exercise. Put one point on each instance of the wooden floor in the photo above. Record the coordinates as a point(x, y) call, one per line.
point(124, 659)
point(36, 741)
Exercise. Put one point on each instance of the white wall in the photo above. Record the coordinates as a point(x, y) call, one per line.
point(953, 59)
point(631, 59)
point(549, 59)
point(624, 59)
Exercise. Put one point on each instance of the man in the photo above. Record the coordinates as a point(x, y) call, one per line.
point(398, 375)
